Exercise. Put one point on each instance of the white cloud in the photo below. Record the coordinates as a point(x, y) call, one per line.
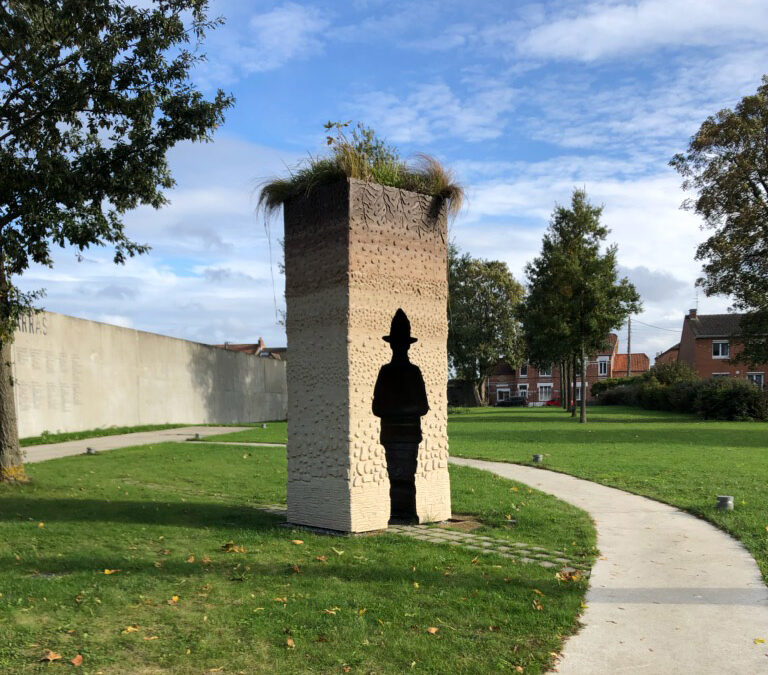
point(262, 42)
point(609, 29)
point(432, 111)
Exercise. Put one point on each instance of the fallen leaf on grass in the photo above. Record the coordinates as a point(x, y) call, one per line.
point(173, 600)
point(322, 558)
point(331, 610)
point(216, 670)
point(758, 641)
point(165, 551)
point(346, 669)
point(231, 547)
point(41, 524)
point(337, 551)
point(568, 574)
point(295, 569)
point(77, 661)
point(298, 542)
point(432, 630)
point(519, 669)
point(158, 563)
point(111, 571)
point(130, 629)
point(290, 643)
point(537, 591)
point(191, 559)
point(152, 637)
point(415, 584)
point(283, 600)
point(537, 605)
point(49, 655)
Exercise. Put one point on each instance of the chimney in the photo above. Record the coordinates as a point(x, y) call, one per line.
point(691, 313)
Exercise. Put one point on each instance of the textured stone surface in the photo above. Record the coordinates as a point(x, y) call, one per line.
point(356, 252)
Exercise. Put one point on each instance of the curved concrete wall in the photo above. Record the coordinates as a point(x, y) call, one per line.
point(72, 374)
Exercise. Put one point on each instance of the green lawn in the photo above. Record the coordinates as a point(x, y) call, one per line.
point(175, 602)
point(276, 432)
point(675, 458)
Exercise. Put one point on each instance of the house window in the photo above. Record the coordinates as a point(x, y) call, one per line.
point(578, 391)
point(524, 370)
point(720, 349)
point(545, 371)
point(522, 390)
point(757, 379)
point(545, 392)
point(602, 366)
point(502, 395)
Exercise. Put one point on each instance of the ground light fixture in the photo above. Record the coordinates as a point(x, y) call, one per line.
point(724, 503)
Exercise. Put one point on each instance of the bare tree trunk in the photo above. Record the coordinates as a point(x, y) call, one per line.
point(478, 399)
point(11, 459)
point(583, 415)
point(563, 387)
point(573, 382)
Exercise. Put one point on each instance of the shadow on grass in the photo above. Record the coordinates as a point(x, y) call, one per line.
point(185, 514)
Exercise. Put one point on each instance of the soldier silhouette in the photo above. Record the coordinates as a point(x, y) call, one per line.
point(400, 400)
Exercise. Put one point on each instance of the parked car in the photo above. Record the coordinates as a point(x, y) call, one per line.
point(553, 402)
point(512, 401)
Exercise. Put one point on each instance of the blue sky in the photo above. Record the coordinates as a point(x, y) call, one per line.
point(524, 101)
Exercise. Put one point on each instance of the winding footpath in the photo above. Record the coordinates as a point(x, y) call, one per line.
point(670, 594)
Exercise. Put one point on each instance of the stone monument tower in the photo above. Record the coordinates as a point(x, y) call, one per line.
point(355, 254)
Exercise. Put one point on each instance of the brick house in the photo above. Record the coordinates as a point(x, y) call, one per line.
point(708, 342)
point(668, 356)
point(542, 385)
point(257, 349)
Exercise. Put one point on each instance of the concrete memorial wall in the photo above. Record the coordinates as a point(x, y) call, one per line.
point(72, 374)
point(357, 252)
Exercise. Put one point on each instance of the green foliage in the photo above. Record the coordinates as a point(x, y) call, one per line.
point(675, 387)
point(364, 156)
point(93, 94)
point(483, 326)
point(727, 165)
point(575, 297)
point(726, 398)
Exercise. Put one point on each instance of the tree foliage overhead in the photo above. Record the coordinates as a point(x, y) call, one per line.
point(727, 165)
point(575, 297)
point(483, 325)
point(93, 93)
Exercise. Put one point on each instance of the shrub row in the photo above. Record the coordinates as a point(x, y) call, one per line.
point(678, 389)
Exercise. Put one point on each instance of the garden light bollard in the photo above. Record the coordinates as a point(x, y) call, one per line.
point(538, 459)
point(724, 503)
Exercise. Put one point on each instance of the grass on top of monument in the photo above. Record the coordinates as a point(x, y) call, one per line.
point(156, 559)
point(675, 458)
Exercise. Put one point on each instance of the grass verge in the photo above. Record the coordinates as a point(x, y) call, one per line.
point(276, 432)
point(677, 459)
point(156, 518)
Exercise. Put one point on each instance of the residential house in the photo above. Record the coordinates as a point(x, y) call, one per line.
point(540, 385)
point(668, 356)
point(709, 342)
point(258, 349)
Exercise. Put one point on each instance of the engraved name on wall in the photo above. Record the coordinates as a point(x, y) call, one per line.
point(48, 378)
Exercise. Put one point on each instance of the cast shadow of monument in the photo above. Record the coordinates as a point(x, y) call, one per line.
point(400, 400)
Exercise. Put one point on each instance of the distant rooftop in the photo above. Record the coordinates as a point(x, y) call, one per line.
point(714, 325)
point(257, 349)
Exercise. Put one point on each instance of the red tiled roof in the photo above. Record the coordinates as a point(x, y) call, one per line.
point(639, 363)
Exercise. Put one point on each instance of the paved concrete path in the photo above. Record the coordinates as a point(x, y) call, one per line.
point(38, 453)
point(670, 594)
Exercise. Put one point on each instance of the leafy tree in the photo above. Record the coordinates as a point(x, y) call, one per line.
point(93, 93)
point(483, 327)
point(727, 164)
point(575, 297)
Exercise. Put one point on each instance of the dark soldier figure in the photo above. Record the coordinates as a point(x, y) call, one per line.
point(400, 400)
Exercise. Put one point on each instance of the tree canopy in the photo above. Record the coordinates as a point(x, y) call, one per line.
point(483, 326)
point(93, 93)
point(727, 164)
point(575, 297)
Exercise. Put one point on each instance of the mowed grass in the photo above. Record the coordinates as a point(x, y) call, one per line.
point(276, 432)
point(46, 438)
point(156, 517)
point(677, 459)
